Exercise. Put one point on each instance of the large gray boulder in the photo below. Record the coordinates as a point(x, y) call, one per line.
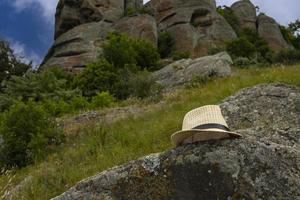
point(71, 13)
point(138, 26)
point(246, 13)
point(183, 71)
point(77, 47)
point(264, 164)
point(268, 29)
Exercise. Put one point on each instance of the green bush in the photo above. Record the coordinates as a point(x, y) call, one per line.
point(121, 50)
point(261, 46)
point(147, 56)
point(143, 85)
point(178, 55)
point(102, 99)
point(288, 56)
point(240, 47)
point(38, 86)
point(165, 44)
point(98, 76)
point(27, 133)
point(215, 50)
point(79, 103)
point(118, 50)
point(243, 62)
point(56, 108)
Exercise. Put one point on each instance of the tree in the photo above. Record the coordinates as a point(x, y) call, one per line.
point(9, 64)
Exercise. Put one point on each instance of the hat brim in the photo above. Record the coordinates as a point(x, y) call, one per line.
point(202, 135)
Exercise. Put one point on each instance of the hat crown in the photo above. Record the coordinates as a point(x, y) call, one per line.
point(210, 114)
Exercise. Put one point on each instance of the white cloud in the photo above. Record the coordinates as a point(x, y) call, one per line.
point(44, 7)
point(24, 54)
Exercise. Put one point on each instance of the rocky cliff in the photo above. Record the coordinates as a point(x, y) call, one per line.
point(264, 164)
point(82, 25)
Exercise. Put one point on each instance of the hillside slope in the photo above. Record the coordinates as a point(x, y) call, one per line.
point(92, 147)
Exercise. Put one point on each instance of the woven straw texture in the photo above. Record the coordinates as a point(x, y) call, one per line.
point(203, 115)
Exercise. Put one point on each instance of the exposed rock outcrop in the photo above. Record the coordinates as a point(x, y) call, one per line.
point(264, 164)
point(139, 26)
point(269, 30)
point(75, 48)
point(185, 70)
point(71, 13)
point(195, 25)
point(246, 13)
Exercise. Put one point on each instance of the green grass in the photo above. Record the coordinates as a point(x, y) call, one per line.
point(93, 148)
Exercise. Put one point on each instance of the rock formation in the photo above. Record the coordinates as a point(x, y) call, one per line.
point(269, 30)
point(246, 13)
point(264, 164)
point(185, 70)
point(138, 26)
point(195, 25)
point(80, 45)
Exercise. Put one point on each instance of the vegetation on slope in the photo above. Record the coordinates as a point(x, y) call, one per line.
point(93, 147)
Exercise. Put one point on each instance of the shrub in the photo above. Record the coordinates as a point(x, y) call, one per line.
point(215, 50)
point(102, 99)
point(98, 76)
point(147, 56)
point(288, 56)
point(165, 44)
point(178, 55)
point(121, 50)
point(240, 48)
point(79, 103)
point(39, 86)
point(27, 133)
point(243, 62)
point(140, 84)
point(56, 108)
point(143, 85)
point(118, 50)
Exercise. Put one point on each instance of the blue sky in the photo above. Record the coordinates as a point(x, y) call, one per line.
point(29, 24)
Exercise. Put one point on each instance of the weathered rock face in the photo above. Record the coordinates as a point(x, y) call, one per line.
point(195, 25)
point(246, 13)
point(139, 26)
point(75, 48)
point(71, 13)
point(269, 30)
point(264, 164)
point(185, 70)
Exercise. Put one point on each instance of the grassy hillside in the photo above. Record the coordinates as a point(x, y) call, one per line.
point(93, 147)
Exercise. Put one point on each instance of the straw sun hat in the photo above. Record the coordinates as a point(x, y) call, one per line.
point(202, 124)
